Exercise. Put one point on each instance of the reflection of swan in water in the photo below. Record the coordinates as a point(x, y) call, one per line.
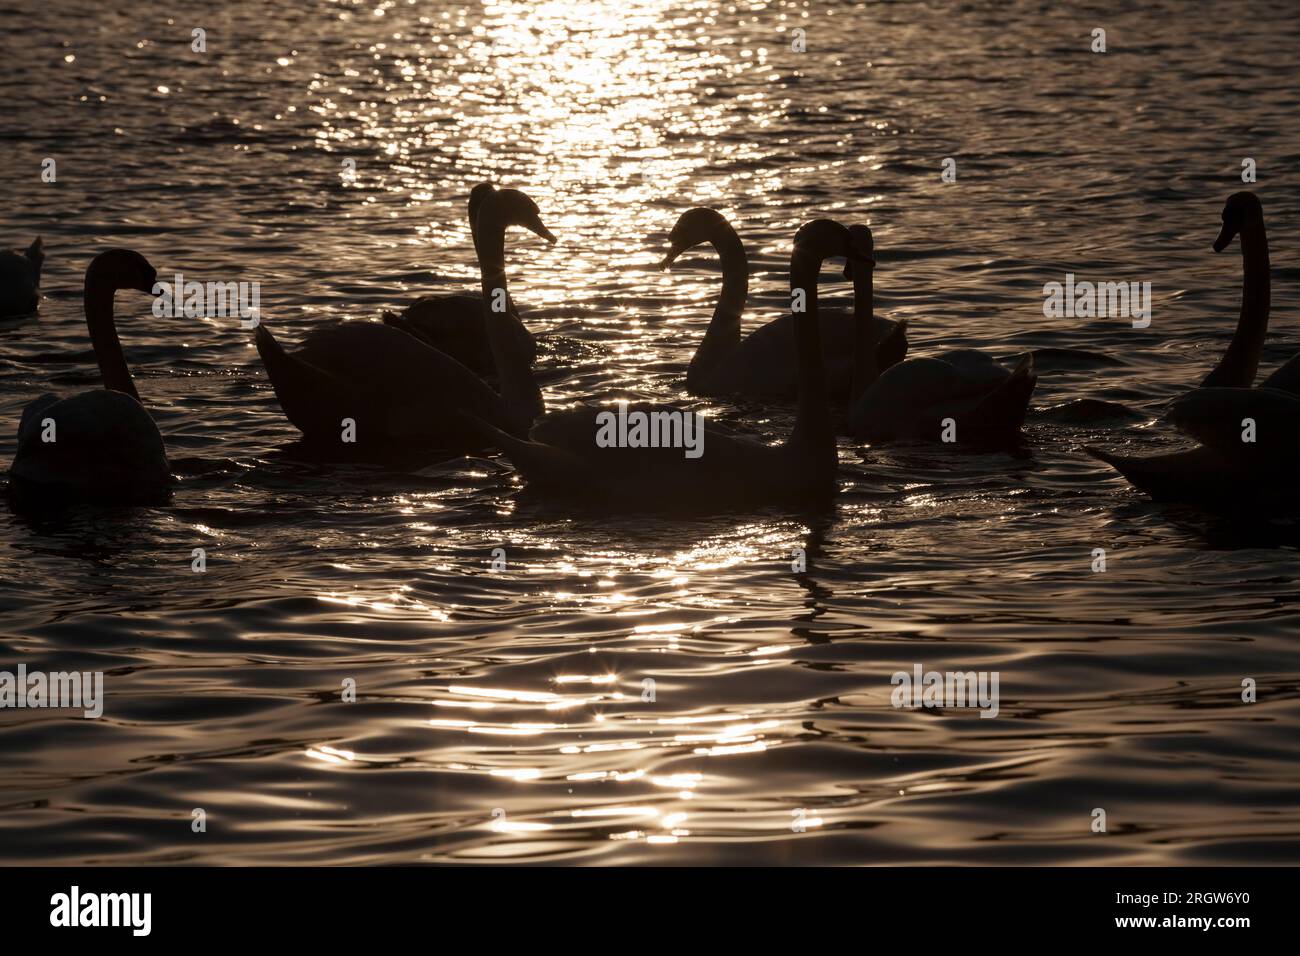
point(453, 323)
point(915, 399)
point(20, 280)
point(394, 388)
point(1225, 411)
point(563, 456)
point(763, 364)
point(98, 446)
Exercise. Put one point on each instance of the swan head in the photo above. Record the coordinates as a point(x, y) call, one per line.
point(694, 228)
point(122, 269)
point(476, 197)
point(823, 239)
point(515, 209)
point(865, 247)
point(1241, 208)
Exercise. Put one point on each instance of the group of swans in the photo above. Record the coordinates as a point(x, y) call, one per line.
point(455, 371)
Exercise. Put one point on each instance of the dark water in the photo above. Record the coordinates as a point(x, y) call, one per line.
point(500, 715)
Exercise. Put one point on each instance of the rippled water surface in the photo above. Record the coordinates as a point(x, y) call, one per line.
point(501, 715)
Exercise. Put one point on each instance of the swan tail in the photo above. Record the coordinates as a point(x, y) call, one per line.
point(314, 401)
point(36, 256)
point(892, 349)
point(1198, 475)
point(540, 464)
point(1002, 411)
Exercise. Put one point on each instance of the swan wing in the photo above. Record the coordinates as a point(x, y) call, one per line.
point(1243, 422)
point(455, 325)
point(764, 365)
point(389, 383)
point(105, 447)
point(1286, 378)
point(910, 399)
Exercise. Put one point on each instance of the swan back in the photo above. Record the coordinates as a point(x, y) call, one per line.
point(105, 448)
point(20, 280)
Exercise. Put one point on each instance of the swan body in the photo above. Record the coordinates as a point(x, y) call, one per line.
point(562, 458)
point(917, 398)
point(393, 387)
point(453, 323)
point(913, 399)
point(762, 364)
point(105, 448)
point(1226, 469)
point(20, 280)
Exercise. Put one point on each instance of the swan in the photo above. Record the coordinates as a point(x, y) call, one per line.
point(1225, 468)
point(393, 387)
point(763, 364)
point(1224, 465)
point(105, 447)
point(915, 399)
point(562, 456)
point(453, 323)
point(20, 280)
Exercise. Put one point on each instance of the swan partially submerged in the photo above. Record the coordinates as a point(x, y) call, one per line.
point(763, 363)
point(453, 323)
point(1249, 437)
point(564, 457)
point(390, 386)
point(20, 280)
point(961, 395)
point(100, 446)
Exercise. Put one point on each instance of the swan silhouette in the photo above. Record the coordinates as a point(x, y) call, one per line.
point(100, 446)
point(563, 458)
point(763, 364)
point(915, 399)
point(393, 387)
point(453, 323)
point(1225, 466)
point(20, 280)
point(1243, 215)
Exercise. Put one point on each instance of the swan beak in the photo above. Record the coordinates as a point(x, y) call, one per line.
point(150, 285)
point(1225, 238)
point(537, 227)
point(673, 253)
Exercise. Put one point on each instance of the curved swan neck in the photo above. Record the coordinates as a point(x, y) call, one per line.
point(723, 335)
point(813, 436)
point(1239, 364)
point(98, 300)
point(865, 368)
point(519, 391)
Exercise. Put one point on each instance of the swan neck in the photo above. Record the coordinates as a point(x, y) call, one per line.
point(723, 335)
point(519, 391)
point(113, 370)
point(813, 437)
point(865, 368)
point(1240, 363)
